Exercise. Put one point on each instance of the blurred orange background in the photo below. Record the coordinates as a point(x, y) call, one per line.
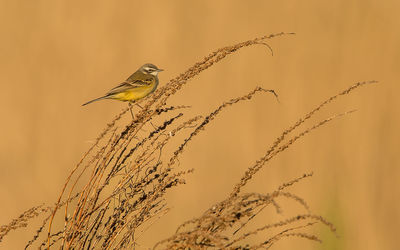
point(56, 55)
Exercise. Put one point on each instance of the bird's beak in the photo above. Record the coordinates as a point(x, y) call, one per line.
point(159, 70)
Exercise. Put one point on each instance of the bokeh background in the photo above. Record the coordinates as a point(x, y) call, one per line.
point(55, 55)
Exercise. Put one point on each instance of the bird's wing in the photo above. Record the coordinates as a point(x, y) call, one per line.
point(129, 85)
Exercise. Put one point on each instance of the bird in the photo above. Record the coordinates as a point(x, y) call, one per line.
point(138, 85)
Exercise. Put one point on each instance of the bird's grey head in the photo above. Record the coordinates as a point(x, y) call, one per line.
point(151, 69)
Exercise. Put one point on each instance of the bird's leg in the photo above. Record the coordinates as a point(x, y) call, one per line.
point(137, 104)
point(130, 109)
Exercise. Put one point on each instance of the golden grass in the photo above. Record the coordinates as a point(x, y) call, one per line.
point(120, 183)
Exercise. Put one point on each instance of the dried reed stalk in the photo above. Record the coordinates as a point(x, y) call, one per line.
point(214, 228)
point(118, 186)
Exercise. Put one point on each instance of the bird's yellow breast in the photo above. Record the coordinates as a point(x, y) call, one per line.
point(133, 94)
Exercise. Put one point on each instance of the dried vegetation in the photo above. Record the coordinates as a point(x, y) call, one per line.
point(120, 183)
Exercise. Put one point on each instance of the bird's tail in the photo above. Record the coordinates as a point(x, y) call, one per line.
point(97, 99)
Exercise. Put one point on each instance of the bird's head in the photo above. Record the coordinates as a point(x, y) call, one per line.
point(151, 69)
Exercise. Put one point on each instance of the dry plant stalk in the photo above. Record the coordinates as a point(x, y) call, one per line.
point(118, 187)
point(22, 220)
point(214, 227)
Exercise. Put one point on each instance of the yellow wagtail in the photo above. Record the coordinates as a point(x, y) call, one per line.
point(140, 84)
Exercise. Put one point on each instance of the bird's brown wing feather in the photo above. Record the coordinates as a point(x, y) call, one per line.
point(128, 85)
